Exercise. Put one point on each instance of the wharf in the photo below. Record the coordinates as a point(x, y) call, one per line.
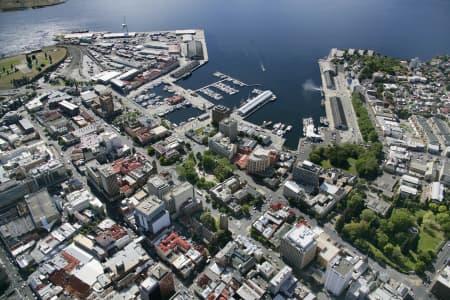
point(352, 134)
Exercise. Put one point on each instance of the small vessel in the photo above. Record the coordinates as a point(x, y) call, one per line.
point(324, 121)
point(289, 128)
point(262, 67)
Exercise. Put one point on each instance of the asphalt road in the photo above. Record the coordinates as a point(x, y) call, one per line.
point(19, 287)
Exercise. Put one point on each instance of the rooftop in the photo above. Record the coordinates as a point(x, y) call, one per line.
point(301, 236)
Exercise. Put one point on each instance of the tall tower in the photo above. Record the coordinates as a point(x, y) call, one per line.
point(223, 222)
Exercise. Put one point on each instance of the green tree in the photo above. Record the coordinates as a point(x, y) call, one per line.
point(355, 230)
point(208, 220)
point(245, 209)
point(401, 220)
point(388, 249)
point(150, 151)
point(420, 267)
point(368, 215)
point(382, 239)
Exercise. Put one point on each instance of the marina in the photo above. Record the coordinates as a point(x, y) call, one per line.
point(309, 131)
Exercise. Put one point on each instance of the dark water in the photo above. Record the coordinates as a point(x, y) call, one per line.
point(287, 36)
point(183, 114)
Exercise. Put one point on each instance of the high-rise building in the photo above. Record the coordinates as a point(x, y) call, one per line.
point(223, 222)
point(178, 196)
point(279, 279)
point(338, 275)
point(109, 181)
point(260, 160)
point(151, 215)
point(149, 289)
point(441, 284)
point(219, 112)
point(298, 246)
point(158, 186)
point(229, 127)
point(165, 278)
point(107, 104)
point(306, 173)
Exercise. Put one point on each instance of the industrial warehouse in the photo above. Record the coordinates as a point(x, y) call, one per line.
point(338, 113)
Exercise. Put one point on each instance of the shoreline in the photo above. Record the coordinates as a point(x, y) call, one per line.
point(12, 5)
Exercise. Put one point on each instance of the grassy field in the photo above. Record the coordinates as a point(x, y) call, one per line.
point(16, 67)
point(430, 237)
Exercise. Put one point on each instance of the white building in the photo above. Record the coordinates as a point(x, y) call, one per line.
point(298, 246)
point(279, 279)
point(436, 191)
point(80, 200)
point(292, 190)
point(338, 275)
point(151, 215)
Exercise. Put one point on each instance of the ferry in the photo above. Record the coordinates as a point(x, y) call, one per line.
point(307, 122)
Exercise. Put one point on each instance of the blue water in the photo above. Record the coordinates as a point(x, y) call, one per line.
point(287, 36)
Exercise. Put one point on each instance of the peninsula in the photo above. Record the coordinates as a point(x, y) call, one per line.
point(6, 5)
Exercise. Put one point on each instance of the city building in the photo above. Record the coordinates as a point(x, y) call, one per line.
point(437, 192)
point(178, 197)
point(292, 190)
point(151, 215)
point(298, 246)
point(279, 279)
point(149, 289)
point(229, 127)
point(338, 275)
point(195, 50)
point(306, 173)
point(445, 173)
point(260, 160)
point(103, 179)
point(219, 112)
point(222, 145)
point(441, 284)
point(338, 113)
point(42, 209)
point(158, 186)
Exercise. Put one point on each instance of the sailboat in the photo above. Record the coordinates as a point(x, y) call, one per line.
point(262, 66)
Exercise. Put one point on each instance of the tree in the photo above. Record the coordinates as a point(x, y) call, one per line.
point(208, 220)
point(401, 220)
point(150, 151)
point(382, 239)
point(368, 215)
point(388, 249)
point(245, 209)
point(355, 231)
point(420, 267)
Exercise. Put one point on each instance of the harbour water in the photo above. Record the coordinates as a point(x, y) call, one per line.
point(285, 37)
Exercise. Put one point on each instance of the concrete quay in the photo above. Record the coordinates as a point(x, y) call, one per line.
point(352, 134)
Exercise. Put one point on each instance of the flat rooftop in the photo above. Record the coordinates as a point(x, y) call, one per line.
point(301, 236)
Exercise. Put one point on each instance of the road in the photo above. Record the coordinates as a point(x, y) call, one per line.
point(18, 285)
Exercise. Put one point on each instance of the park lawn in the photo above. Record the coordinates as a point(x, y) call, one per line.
point(326, 164)
point(199, 131)
point(430, 237)
point(57, 53)
point(351, 169)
